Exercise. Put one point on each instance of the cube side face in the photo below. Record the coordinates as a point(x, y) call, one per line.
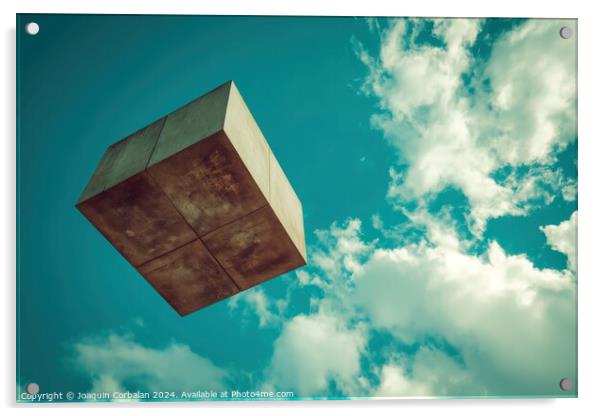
point(137, 219)
point(208, 183)
point(189, 278)
point(124, 159)
point(192, 123)
point(254, 248)
point(287, 206)
point(247, 139)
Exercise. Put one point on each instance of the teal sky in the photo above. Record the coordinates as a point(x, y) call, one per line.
point(86, 81)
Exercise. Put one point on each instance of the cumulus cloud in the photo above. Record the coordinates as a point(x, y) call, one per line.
point(394, 382)
point(314, 350)
point(509, 320)
point(563, 238)
point(457, 121)
point(116, 362)
point(500, 325)
point(414, 376)
point(503, 326)
point(533, 81)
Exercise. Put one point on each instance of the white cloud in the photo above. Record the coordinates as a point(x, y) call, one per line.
point(433, 373)
point(563, 238)
point(339, 252)
point(450, 137)
point(114, 361)
point(312, 351)
point(377, 222)
point(347, 248)
point(569, 191)
point(533, 81)
point(508, 319)
point(442, 374)
point(395, 383)
point(106, 382)
point(513, 325)
point(315, 350)
point(255, 301)
point(306, 279)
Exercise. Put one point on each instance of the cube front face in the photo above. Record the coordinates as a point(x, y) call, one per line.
point(198, 203)
point(138, 219)
point(208, 184)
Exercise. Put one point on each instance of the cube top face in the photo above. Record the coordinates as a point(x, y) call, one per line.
point(192, 123)
point(198, 203)
point(124, 159)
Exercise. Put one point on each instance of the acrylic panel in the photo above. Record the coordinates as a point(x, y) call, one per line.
point(295, 208)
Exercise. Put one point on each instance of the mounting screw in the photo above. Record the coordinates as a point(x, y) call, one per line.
point(566, 32)
point(32, 388)
point(32, 28)
point(565, 384)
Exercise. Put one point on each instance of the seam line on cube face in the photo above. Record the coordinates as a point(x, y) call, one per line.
point(166, 253)
point(270, 156)
point(192, 228)
point(233, 221)
point(240, 289)
point(155, 145)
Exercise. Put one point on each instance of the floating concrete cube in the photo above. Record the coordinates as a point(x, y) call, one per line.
point(198, 204)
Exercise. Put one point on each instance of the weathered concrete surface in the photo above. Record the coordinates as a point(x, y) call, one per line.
point(254, 248)
point(189, 278)
point(208, 184)
point(198, 203)
point(138, 219)
point(286, 205)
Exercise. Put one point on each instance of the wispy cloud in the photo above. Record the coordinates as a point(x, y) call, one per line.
point(256, 302)
point(116, 362)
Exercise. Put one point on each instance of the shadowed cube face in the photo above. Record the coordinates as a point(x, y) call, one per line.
point(198, 203)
